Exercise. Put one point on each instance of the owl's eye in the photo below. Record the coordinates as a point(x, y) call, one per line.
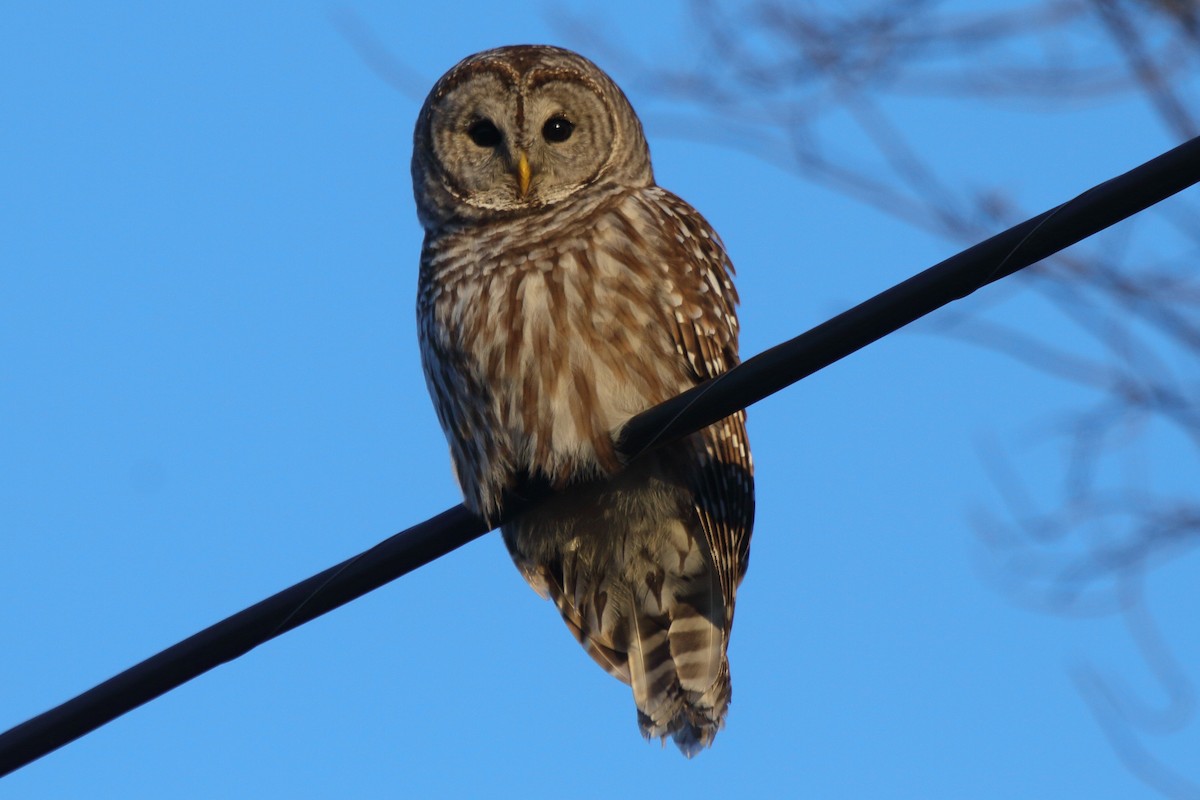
point(484, 133)
point(557, 129)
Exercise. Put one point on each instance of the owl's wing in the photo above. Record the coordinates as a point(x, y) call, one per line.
point(482, 463)
point(705, 330)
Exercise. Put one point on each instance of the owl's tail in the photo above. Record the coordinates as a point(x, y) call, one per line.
point(677, 664)
point(681, 679)
point(662, 628)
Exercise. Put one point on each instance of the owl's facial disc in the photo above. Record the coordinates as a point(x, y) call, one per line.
point(520, 129)
point(509, 141)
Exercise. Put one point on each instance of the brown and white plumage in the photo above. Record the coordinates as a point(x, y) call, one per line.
point(561, 292)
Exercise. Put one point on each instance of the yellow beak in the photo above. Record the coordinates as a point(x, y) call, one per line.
point(524, 173)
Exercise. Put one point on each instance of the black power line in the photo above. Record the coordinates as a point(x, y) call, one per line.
point(765, 374)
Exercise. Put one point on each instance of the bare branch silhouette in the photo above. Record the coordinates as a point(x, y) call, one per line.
point(771, 78)
point(375, 53)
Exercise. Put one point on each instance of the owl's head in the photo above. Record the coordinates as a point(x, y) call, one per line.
point(517, 129)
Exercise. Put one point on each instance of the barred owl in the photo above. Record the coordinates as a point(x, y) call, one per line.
point(561, 292)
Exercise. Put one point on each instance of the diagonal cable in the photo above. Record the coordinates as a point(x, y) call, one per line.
point(755, 379)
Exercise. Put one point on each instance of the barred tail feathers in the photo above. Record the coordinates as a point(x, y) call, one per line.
point(647, 604)
point(677, 662)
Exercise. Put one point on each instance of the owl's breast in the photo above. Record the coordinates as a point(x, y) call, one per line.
point(588, 348)
point(570, 336)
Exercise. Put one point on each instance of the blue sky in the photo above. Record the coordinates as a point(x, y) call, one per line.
point(211, 390)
